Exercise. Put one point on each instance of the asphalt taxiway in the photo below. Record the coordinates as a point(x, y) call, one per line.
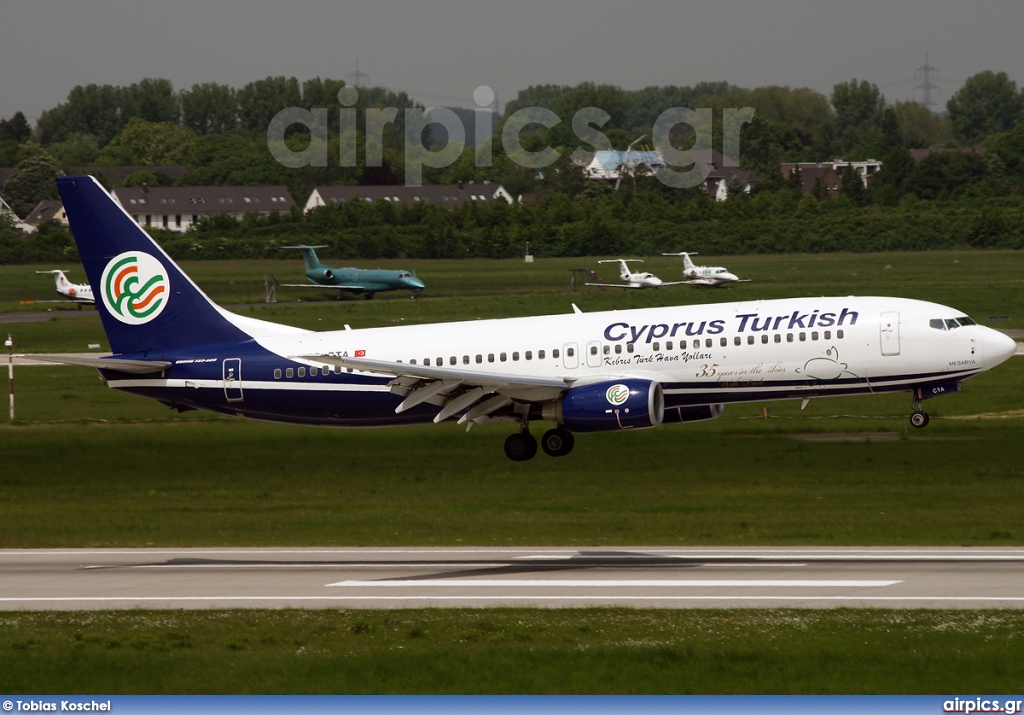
point(644, 577)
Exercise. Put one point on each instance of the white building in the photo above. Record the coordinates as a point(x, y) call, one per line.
point(611, 164)
point(447, 195)
point(177, 208)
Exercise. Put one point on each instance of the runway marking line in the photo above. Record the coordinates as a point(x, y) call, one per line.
point(604, 583)
point(525, 599)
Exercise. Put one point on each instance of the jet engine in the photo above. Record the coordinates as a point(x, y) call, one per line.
point(609, 406)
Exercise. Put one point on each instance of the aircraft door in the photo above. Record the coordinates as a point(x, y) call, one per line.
point(889, 327)
point(594, 354)
point(233, 379)
point(570, 356)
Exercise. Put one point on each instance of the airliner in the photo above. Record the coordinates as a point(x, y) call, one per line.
point(711, 276)
point(585, 372)
point(77, 292)
point(357, 280)
point(640, 279)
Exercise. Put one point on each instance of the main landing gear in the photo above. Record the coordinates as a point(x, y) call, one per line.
point(918, 418)
point(522, 446)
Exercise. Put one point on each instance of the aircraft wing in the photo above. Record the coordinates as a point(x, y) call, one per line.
point(453, 389)
point(135, 367)
point(317, 285)
point(615, 285)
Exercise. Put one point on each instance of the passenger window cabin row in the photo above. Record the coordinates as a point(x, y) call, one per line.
point(607, 349)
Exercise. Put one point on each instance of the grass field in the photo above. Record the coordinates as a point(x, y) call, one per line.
point(825, 476)
point(84, 466)
point(516, 651)
point(983, 284)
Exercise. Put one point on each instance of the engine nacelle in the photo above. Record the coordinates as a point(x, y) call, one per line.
point(321, 274)
point(609, 406)
point(693, 413)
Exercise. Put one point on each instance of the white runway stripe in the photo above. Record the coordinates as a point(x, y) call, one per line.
point(227, 600)
point(641, 583)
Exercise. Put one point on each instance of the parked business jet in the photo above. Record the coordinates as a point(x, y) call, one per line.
point(77, 292)
point(712, 276)
point(356, 280)
point(633, 280)
point(586, 372)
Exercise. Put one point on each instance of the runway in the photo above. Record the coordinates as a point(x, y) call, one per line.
point(640, 577)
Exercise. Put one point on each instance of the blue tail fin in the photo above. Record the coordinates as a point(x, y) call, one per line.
point(309, 258)
point(145, 300)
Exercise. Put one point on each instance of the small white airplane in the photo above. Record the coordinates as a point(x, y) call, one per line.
point(634, 280)
point(712, 276)
point(585, 372)
point(77, 292)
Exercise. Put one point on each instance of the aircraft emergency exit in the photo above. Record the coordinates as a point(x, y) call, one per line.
point(585, 372)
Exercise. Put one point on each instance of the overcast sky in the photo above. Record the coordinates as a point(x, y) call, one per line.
point(439, 51)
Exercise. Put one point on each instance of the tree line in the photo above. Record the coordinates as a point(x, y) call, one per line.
point(594, 222)
point(220, 135)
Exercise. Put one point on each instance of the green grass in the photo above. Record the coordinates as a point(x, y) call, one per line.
point(87, 466)
point(514, 651)
point(980, 283)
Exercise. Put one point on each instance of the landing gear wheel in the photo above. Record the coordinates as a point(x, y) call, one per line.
point(557, 442)
point(919, 419)
point(521, 446)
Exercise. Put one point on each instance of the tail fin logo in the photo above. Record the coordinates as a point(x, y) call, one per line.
point(135, 287)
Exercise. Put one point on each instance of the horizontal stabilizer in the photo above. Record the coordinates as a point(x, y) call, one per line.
point(134, 367)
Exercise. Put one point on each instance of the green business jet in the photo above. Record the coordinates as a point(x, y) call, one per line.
point(356, 280)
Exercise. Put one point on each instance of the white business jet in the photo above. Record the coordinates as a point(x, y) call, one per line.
point(634, 280)
point(711, 276)
point(77, 292)
point(585, 372)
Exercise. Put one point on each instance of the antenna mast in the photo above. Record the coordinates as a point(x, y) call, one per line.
point(926, 72)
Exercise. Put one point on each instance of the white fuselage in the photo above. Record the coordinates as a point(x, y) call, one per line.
point(701, 354)
point(711, 275)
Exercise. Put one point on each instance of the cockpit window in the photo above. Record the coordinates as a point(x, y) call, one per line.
point(952, 324)
point(964, 320)
point(937, 323)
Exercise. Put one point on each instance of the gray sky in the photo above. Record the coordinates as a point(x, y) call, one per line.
point(441, 50)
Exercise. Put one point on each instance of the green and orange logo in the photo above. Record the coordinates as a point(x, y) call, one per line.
point(135, 287)
point(617, 394)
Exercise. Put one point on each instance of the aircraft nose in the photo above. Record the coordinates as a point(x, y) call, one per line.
point(997, 347)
